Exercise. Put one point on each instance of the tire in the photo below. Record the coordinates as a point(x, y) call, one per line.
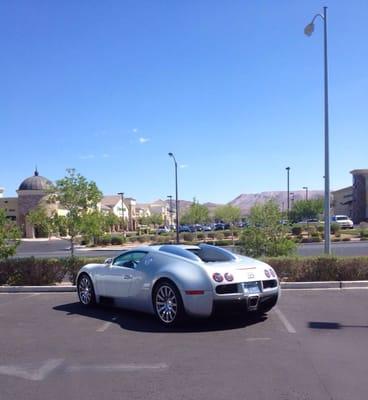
point(167, 303)
point(86, 292)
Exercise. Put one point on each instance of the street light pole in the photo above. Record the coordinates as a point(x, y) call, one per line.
point(306, 192)
point(176, 197)
point(122, 210)
point(288, 191)
point(327, 226)
point(170, 208)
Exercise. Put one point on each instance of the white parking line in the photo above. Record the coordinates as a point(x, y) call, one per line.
point(18, 298)
point(104, 327)
point(117, 367)
point(257, 339)
point(285, 321)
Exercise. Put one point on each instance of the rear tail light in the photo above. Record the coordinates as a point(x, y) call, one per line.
point(272, 273)
point(217, 277)
point(229, 277)
point(267, 273)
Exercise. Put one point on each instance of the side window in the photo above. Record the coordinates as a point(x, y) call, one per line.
point(130, 259)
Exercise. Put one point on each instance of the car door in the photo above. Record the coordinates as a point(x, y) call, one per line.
point(118, 276)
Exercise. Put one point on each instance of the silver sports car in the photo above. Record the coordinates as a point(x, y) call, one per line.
point(173, 280)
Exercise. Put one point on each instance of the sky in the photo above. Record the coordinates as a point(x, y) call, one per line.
point(233, 88)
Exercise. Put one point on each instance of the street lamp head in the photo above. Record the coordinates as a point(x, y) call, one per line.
point(287, 168)
point(309, 29)
point(171, 154)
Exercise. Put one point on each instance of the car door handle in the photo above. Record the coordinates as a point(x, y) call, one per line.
point(128, 277)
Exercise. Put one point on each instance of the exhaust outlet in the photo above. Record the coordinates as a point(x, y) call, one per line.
point(253, 302)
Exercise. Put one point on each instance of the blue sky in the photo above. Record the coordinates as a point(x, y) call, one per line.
point(233, 88)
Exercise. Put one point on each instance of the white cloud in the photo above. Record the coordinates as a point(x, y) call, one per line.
point(183, 166)
point(106, 155)
point(87, 157)
point(143, 140)
point(135, 130)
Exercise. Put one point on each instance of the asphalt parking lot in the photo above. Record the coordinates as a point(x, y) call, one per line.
point(314, 345)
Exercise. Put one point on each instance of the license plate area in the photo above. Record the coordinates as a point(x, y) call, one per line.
point(251, 287)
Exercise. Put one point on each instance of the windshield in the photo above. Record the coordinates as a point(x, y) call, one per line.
point(208, 253)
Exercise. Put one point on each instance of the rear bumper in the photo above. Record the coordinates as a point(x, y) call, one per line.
point(210, 302)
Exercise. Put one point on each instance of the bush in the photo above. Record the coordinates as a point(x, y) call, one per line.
point(227, 234)
point(219, 236)
point(296, 230)
point(363, 234)
point(117, 240)
point(323, 268)
point(31, 271)
point(188, 237)
point(346, 239)
point(143, 239)
point(72, 265)
point(320, 228)
point(211, 235)
point(335, 228)
point(200, 236)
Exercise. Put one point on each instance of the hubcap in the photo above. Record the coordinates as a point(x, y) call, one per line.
point(85, 290)
point(166, 304)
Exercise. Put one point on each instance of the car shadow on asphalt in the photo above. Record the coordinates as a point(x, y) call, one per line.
point(141, 322)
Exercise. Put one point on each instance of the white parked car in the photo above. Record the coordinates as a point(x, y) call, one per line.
point(343, 220)
point(173, 280)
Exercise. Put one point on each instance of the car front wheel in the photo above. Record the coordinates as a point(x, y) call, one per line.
point(167, 303)
point(85, 289)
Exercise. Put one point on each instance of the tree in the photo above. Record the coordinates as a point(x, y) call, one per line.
point(305, 209)
point(41, 221)
point(9, 236)
point(111, 221)
point(229, 214)
point(196, 214)
point(266, 236)
point(79, 197)
point(92, 225)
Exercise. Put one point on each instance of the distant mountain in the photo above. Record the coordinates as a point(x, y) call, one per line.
point(246, 201)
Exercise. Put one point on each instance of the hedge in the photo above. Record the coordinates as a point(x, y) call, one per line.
point(48, 271)
point(31, 271)
point(322, 268)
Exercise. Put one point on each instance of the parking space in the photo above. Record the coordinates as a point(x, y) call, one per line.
point(312, 346)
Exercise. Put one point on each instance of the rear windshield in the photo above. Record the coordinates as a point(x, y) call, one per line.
point(341, 218)
point(203, 252)
point(208, 253)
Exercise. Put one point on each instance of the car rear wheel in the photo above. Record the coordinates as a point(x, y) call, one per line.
point(86, 291)
point(167, 303)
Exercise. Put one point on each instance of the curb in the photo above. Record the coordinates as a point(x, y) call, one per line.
point(284, 285)
point(325, 285)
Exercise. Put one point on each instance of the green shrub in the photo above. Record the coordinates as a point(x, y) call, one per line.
point(219, 236)
point(143, 239)
point(227, 234)
point(320, 228)
point(72, 265)
point(346, 239)
point(363, 234)
point(211, 235)
point(337, 234)
point(31, 271)
point(323, 268)
point(335, 227)
point(188, 236)
point(201, 236)
point(117, 240)
point(296, 230)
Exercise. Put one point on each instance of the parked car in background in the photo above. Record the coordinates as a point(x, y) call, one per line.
point(343, 220)
point(207, 228)
point(184, 228)
point(311, 221)
point(162, 229)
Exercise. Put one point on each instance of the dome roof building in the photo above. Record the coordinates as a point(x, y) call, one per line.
point(35, 182)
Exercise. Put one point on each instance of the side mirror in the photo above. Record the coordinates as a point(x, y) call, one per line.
point(108, 261)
